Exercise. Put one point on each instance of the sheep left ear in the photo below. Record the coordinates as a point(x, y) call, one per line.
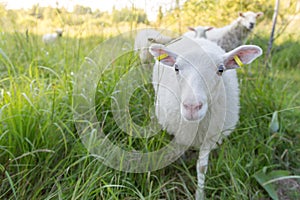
point(244, 54)
point(163, 54)
point(192, 28)
point(259, 14)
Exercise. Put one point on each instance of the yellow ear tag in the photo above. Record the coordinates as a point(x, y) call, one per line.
point(162, 56)
point(238, 61)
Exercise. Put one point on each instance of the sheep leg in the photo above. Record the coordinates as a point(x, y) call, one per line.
point(202, 163)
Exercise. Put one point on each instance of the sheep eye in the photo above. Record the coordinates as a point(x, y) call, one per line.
point(176, 68)
point(220, 70)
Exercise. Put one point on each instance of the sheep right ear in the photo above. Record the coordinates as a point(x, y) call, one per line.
point(241, 55)
point(162, 54)
point(209, 28)
point(259, 14)
point(241, 14)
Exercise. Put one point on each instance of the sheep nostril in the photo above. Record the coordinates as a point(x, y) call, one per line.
point(251, 25)
point(199, 106)
point(187, 106)
point(193, 107)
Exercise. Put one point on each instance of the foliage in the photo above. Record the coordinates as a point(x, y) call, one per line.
point(45, 19)
point(82, 10)
point(129, 15)
point(221, 12)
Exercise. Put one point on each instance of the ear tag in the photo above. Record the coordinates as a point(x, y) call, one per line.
point(162, 56)
point(238, 61)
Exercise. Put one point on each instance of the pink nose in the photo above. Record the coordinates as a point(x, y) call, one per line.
point(192, 107)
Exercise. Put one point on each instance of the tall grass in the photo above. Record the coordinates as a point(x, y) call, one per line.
point(42, 157)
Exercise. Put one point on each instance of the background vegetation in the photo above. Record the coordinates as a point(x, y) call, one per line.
point(42, 157)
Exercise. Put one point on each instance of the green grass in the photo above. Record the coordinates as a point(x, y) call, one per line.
point(42, 157)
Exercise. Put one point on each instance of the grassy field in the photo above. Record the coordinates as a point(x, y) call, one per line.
point(42, 156)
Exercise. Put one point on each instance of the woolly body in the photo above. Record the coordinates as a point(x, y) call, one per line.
point(195, 101)
point(235, 34)
point(50, 38)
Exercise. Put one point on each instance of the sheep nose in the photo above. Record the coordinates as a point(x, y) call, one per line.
point(251, 25)
point(193, 107)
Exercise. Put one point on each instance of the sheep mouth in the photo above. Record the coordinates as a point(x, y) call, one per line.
point(192, 117)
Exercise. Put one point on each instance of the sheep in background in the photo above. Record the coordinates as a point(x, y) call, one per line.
point(197, 32)
point(145, 38)
point(235, 34)
point(195, 102)
point(50, 38)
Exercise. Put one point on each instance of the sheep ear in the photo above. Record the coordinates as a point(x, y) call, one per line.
point(192, 28)
point(259, 14)
point(244, 54)
point(162, 54)
point(209, 28)
point(241, 14)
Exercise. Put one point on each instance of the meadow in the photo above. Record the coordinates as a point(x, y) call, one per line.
point(43, 157)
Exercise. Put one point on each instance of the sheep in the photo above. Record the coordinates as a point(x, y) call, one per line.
point(197, 32)
point(144, 39)
point(50, 38)
point(235, 34)
point(197, 94)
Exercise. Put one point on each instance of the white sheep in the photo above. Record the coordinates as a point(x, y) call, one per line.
point(50, 38)
point(197, 94)
point(234, 34)
point(197, 32)
point(145, 38)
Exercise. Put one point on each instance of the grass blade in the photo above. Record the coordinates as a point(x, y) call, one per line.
point(11, 184)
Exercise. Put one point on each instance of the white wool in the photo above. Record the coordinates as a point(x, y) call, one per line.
point(193, 102)
point(50, 38)
point(145, 38)
point(234, 34)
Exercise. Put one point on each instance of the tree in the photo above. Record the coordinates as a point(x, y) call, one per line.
point(82, 10)
point(37, 11)
point(129, 15)
point(178, 15)
point(215, 13)
point(160, 16)
point(298, 6)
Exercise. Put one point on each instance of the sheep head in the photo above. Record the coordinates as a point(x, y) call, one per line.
point(200, 32)
point(59, 32)
point(196, 74)
point(248, 19)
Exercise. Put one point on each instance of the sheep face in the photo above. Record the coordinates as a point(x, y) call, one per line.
point(248, 19)
point(59, 32)
point(193, 89)
point(197, 75)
